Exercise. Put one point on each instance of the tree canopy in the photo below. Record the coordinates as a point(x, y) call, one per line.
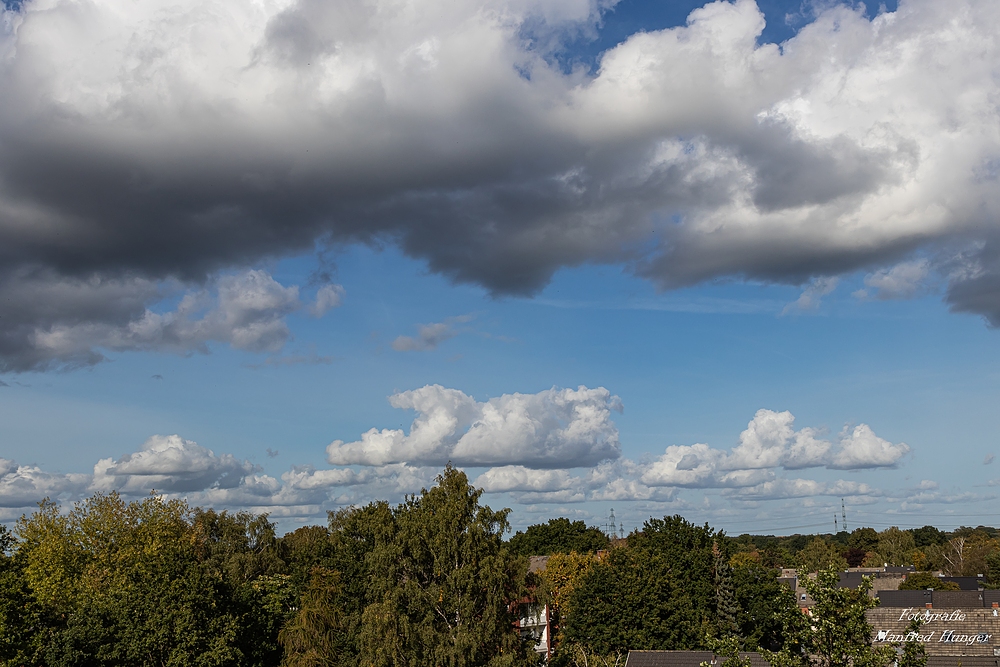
point(558, 536)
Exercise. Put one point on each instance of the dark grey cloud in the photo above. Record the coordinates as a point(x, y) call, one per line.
point(175, 141)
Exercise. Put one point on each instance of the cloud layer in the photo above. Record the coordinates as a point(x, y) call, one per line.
point(549, 449)
point(172, 140)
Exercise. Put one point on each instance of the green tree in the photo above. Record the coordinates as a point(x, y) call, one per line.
point(726, 609)
point(558, 536)
point(865, 539)
point(658, 592)
point(820, 554)
point(765, 607)
point(23, 626)
point(928, 535)
point(895, 547)
point(444, 587)
point(317, 635)
point(836, 632)
point(144, 583)
point(992, 573)
point(919, 581)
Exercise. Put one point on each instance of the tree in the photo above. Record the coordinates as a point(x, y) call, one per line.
point(445, 587)
point(864, 539)
point(558, 536)
point(895, 547)
point(964, 555)
point(927, 536)
point(317, 635)
point(726, 609)
point(919, 581)
point(23, 625)
point(992, 579)
point(835, 632)
point(562, 574)
point(764, 604)
point(144, 583)
point(820, 554)
point(658, 592)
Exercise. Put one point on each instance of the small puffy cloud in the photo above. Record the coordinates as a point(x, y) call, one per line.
point(519, 478)
point(770, 442)
point(328, 297)
point(683, 465)
point(305, 478)
point(901, 281)
point(812, 295)
point(429, 336)
point(861, 448)
point(555, 428)
point(24, 486)
point(170, 464)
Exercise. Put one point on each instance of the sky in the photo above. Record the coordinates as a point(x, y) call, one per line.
point(733, 261)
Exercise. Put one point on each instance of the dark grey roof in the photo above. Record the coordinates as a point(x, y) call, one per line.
point(686, 659)
point(537, 563)
point(940, 599)
point(958, 599)
point(962, 661)
point(904, 598)
point(668, 658)
point(964, 583)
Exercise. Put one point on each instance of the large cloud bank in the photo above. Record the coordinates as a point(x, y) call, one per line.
point(174, 139)
point(557, 446)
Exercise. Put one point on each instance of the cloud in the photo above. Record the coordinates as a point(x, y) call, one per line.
point(770, 442)
point(169, 464)
point(988, 459)
point(812, 295)
point(25, 486)
point(62, 322)
point(555, 428)
point(429, 336)
point(327, 298)
point(179, 139)
point(802, 488)
point(901, 281)
point(861, 448)
point(519, 478)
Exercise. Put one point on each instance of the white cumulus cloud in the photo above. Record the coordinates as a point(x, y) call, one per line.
point(170, 464)
point(555, 428)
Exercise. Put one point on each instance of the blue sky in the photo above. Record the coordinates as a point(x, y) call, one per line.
point(839, 291)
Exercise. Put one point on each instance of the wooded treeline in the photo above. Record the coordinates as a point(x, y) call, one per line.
point(429, 582)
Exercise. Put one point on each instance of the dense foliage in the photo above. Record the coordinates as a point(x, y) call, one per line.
point(152, 582)
point(558, 536)
point(431, 582)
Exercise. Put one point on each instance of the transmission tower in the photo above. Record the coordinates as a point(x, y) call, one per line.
point(843, 509)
